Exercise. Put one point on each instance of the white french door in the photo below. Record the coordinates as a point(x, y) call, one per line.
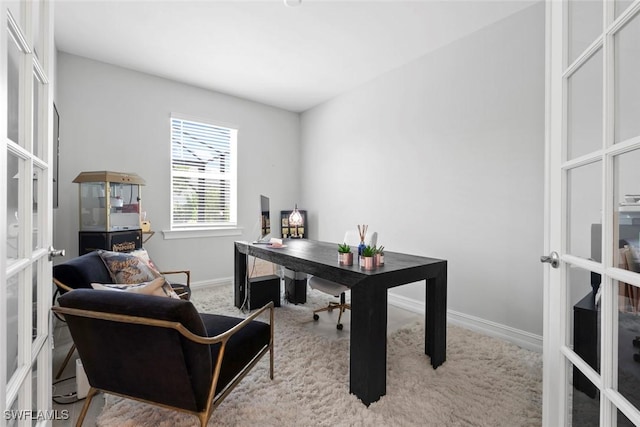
point(26, 129)
point(592, 300)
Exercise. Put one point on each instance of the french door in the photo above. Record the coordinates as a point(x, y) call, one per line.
point(26, 128)
point(592, 299)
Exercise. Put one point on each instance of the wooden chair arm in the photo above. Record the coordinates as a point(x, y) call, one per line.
point(61, 285)
point(185, 272)
point(124, 318)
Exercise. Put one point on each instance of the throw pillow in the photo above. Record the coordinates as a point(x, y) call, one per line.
point(128, 268)
point(155, 287)
point(144, 256)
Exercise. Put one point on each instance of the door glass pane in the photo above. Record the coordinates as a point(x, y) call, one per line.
point(14, 420)
point(623, 421)
point(15, 8)
point(585, 25)
point(584, 337)
point(627, 88)
point(34, 389)
point(35, 28)
point(13, 214)
point(34, 304)
point(629, 342)
point(621, 5)
point(627, 214)
point(584, 108)
point(13, 91)
point(12, 325)
point(37, 203)
point(584, 211)
point(36, 112)
point(584, 409)
point(584, 322)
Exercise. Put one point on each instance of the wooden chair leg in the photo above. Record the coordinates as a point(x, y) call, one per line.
point(92, 392)
point(66, 361)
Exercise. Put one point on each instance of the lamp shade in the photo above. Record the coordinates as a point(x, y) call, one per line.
point(295, 219)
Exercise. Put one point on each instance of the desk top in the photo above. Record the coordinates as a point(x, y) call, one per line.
point(321, 259)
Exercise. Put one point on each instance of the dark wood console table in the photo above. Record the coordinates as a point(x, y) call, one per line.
point(368, 349)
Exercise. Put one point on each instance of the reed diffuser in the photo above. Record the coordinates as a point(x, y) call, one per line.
point(362, 231)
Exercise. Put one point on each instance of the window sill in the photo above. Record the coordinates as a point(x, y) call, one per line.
point(208, 232)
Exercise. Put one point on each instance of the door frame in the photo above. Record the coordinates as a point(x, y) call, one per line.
point(29, 387)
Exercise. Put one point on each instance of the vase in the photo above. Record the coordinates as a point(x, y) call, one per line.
point(367, 262)
point(361, 246)
point(345, 258)
point(378, 259)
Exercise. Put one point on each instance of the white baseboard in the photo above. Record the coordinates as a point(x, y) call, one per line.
point(201, 284)
point(519, 337)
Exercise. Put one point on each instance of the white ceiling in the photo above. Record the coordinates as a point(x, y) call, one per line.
point(289, 57)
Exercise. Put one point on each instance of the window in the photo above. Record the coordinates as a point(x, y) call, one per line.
point(203, 175)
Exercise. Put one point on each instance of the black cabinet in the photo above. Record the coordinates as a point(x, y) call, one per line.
point(263, 290)
point(117, 241)
point(288, 232)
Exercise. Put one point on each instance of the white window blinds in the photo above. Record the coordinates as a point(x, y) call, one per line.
point(203, 175)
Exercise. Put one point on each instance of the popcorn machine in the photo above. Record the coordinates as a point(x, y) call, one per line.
point(109, 211)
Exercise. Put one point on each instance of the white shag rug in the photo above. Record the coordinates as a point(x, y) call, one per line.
point(484, 381)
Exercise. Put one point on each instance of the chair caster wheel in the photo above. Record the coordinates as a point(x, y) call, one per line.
point(316, 317)
point(636, 357)
point(339, 326)
point(636, 342)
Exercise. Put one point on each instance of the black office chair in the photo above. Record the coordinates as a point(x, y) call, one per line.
point(336, 289)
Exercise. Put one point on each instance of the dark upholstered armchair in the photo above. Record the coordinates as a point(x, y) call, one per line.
point(161, 350)
point(89, 268)
point(82, 271)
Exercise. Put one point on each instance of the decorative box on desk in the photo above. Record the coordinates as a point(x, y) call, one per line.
point(299, 232)
point(109, 211)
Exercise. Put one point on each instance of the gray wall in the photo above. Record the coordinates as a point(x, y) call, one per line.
point(444, 158)
point(117, 119)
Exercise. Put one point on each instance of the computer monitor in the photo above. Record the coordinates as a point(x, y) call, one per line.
point(265, 220)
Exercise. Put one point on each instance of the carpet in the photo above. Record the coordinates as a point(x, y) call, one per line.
point(484, 382)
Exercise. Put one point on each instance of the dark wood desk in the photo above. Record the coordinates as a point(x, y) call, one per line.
point(368, 349)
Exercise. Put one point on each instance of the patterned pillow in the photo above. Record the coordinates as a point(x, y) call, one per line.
point(134, 268)
point(155, 287)
point(144, 256)
point(128, 268)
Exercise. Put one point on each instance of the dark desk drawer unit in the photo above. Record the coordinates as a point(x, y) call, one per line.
point(295, 287)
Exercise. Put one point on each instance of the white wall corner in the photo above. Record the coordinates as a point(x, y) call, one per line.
point(518, 337)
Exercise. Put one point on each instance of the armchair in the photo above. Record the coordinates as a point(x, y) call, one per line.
point(161, 350)
point(82, 271)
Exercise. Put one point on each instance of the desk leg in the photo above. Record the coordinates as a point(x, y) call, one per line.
point(368, 358)
point(239, 277)
point(435, 341)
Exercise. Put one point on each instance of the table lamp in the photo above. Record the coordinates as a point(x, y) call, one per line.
point(296, 220)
